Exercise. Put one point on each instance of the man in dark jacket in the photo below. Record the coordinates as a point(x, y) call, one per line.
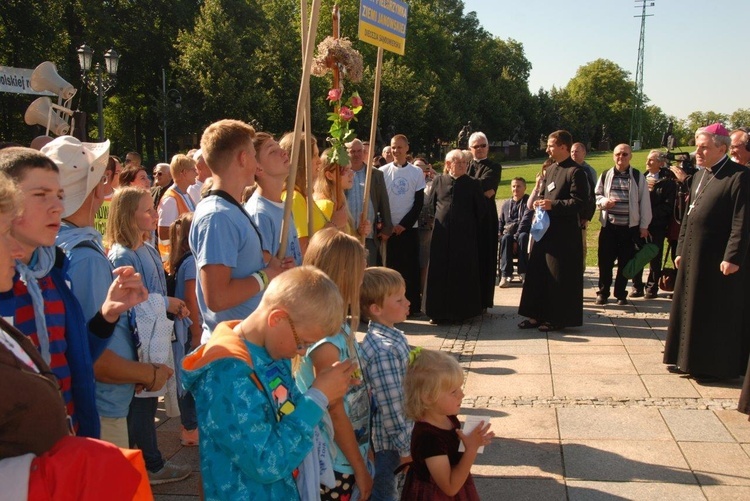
point(514, 225)
point(662, 188)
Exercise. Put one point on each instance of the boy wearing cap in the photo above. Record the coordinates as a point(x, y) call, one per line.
point(118, 372)
point(41, 304)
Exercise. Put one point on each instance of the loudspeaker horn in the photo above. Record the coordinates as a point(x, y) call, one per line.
point(45, 77)
point(40, 112)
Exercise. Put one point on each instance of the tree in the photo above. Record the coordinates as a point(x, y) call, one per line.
point(740, 118)
point(31, 32)
point(600, 94)
point(698, 119)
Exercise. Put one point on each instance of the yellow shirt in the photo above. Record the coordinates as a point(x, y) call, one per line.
point(299, 213)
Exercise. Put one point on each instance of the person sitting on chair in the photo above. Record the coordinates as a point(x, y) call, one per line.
point(514, 224)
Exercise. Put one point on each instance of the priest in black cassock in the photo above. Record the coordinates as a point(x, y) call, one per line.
point(488, 173)
point(552, 296)
point(705, 335)
point(453, 279)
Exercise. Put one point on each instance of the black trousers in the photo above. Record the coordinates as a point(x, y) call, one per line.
point(615, 243)
point(403, 256)
point(654, 273)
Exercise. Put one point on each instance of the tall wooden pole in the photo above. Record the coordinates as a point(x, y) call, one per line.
point(308, 133)
point(338, 193)
point(303, 98)
point(373, 131)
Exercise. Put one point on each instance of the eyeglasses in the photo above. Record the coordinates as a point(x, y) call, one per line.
point(300, 344)
point(622, 154)
point(483, 145)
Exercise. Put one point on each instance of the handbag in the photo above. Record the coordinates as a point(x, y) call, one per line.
point(540, 224)
point(645, 254)
point(668, 276)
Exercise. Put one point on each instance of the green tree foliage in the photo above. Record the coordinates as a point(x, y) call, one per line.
point(740, 118)
point(599, 95)
point(698, 119)
point(31, 31)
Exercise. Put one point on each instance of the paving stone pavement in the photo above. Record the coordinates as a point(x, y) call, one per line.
point(587, 413)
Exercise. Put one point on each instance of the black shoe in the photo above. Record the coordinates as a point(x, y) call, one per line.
point(622, 302)
point(636, 292)
point(417, 315)
point(601, 299)
point(650, 295)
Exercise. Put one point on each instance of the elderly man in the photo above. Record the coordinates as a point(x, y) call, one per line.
point(387, 154)
point(514, 224)
point(662, 188)
point(453, 279)
point(622, 195)
point(705, 337)
point(740, 147)
point(162, 181)
point(488, 173)
point(378, 204)
point(552, 296)
point(203, 173)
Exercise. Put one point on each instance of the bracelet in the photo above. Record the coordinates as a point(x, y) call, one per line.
point(259, 279)
point(264, 277)
point(153, 381)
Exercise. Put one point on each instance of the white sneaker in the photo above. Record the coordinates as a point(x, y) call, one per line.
point(504, 283)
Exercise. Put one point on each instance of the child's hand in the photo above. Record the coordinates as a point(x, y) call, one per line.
point(335, 380)
point(478, 437)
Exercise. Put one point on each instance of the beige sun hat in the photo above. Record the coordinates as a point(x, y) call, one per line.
point(81, 165)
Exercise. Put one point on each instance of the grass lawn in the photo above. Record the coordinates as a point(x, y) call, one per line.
point(599, 160)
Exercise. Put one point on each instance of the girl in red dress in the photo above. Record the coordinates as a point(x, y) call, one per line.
point(433, 399)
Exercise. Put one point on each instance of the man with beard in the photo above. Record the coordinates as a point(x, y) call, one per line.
point(488, 173)
point(705, 335)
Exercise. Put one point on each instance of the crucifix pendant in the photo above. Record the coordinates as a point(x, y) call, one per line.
point(691, 207)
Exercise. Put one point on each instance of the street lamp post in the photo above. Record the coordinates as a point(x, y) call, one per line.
point(102, 83)
point(174, 96)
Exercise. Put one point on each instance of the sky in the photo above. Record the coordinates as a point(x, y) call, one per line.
point(695, 59)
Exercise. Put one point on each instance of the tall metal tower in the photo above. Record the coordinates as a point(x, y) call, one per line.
point(636, 119)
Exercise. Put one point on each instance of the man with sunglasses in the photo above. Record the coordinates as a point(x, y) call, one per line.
point(488, 173)
point(623, 198)
point(162, 182)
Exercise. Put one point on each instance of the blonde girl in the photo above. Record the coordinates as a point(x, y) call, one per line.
point(332, 203)
point(432, 394)
point(342, 258)
point(301, 191)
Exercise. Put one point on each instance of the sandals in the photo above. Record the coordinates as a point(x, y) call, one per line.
point(528, 324)
point(547, 327)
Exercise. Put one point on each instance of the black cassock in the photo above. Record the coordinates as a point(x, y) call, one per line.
point(553, 290)
point(453, 279)
point(705, 334)
point(488, 173)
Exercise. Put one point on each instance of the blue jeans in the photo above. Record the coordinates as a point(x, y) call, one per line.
point(506, 253)
point(384, 482)
point(142, 431)
point(188, 415)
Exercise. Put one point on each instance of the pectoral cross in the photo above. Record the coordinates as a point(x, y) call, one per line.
point(690, 208)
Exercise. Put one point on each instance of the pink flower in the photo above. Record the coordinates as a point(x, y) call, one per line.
point(334, 94)
point(346, 114)
point(356, 101)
